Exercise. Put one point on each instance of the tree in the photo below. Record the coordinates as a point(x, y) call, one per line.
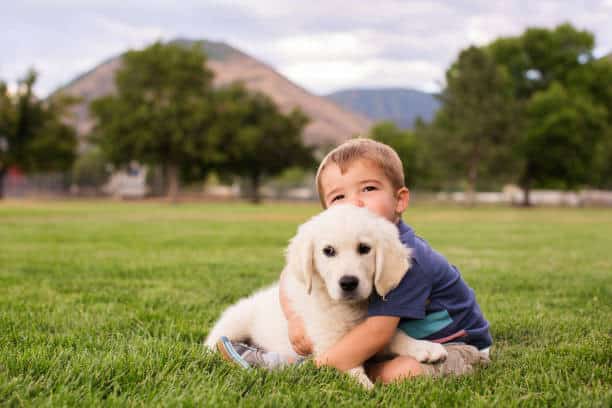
point(476, 116)
point(564, 129)
point(594, 79)
point(161, 113)
point(541, 56)
point(259, 140)
point(545, 64)
point(32, 134)
point(404, 143)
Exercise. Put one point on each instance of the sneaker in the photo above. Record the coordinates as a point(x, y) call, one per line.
point(247, 356)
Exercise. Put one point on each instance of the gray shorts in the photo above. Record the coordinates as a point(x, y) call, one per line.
point(461, 359)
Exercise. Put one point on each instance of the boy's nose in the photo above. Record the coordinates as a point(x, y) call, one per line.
point(356, 201)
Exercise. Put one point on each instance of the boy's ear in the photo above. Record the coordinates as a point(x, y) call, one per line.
point(403, 198)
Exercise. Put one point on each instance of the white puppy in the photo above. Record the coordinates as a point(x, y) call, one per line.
point(332, 266)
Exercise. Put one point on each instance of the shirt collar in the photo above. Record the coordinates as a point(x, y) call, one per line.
point(406, 233)
point(403, 227)
point(408, 238)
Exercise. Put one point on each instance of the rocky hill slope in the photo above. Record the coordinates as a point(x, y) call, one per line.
point(330, 124)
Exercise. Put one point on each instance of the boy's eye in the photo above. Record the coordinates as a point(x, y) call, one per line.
point(338, 197)
point(369, 188)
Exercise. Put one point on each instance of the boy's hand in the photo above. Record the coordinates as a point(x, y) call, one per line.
point(297, 333)
point(297, 336)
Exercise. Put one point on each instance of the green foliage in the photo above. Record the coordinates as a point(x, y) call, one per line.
point(534, 109)
point(602, 162)
point(474, 126)
point(258, 140)
point(32, 134)
point(113, 311)
point(292, 177)
point(404, 142)
point(547, 64)
point(90, 169)
point(541, 56)
point(162, 111)
point(166, 113)
point(563, 133)
point(594, 80)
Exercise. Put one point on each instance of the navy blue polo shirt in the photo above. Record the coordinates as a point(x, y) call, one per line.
point(431, 300)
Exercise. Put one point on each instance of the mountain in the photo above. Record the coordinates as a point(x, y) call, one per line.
point(330, 124)
point(399, 105)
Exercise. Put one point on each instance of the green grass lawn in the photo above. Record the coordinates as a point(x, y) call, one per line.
point(105, 303)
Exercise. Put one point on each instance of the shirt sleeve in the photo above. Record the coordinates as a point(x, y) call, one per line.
point(408, 299)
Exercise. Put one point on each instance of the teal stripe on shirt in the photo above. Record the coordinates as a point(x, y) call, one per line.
point(421, 328)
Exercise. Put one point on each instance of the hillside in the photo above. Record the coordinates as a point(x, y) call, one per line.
point(330, 123)
point(399, 105)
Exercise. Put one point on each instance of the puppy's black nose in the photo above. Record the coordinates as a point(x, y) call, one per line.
point(348, 283)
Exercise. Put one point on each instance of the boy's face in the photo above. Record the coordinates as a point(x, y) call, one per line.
point(365, 185)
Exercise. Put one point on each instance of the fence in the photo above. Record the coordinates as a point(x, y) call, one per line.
point(133, 184)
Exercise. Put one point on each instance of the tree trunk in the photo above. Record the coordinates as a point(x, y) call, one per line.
point(526, 186)
point(255, 181)
point(526, 192)
point(172, 182)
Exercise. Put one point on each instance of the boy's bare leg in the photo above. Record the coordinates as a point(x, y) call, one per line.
point(396, 369)
point(461, 360)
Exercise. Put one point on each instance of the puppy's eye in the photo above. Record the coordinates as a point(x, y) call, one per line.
point(329, 251)
point(364, 249)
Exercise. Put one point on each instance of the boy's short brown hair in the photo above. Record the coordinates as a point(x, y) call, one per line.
point(378, 153)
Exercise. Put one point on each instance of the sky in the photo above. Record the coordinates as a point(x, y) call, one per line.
point(322, 45)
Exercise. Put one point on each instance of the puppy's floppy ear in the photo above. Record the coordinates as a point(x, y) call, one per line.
point(392, 259)
point(300, 257)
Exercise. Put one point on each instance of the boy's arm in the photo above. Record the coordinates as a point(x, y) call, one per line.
point(361, 343)
point(297, 334)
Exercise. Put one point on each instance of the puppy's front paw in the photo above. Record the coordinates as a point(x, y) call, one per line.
point(428, 352)
point(362, 378)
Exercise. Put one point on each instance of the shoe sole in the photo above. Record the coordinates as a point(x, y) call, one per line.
point(224, 347)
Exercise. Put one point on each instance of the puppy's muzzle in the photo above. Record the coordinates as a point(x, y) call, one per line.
point(349, 283)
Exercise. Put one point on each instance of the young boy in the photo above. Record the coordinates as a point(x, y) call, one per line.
point(431, 302)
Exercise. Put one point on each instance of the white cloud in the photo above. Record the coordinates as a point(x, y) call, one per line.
point(482, 29)
point(329, 75)
point(323, 45)
point(128, 34)
point(57, 65)
point(300, 10)
point(319, 46)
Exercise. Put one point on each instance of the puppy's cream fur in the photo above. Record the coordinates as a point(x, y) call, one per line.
point(312, 283)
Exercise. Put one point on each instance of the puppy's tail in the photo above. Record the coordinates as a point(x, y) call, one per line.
point(234, 323)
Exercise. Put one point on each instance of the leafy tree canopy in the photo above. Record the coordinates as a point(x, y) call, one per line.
point(258, 139)
point(161, 113)
point(564, 131)
point(404, 142)
point(32, 134)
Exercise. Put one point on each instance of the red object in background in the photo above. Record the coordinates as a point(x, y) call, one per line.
point(14, 178)
point(14, 171)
